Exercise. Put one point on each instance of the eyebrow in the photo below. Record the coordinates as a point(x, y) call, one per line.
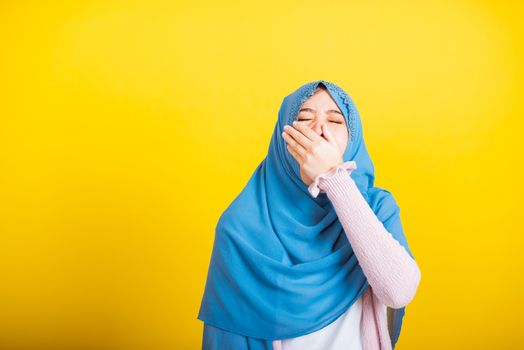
point(312, 110)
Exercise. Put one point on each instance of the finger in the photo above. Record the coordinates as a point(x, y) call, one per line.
point(294, 144)
point(298, 135)
point(294, 154)
point(307, 131)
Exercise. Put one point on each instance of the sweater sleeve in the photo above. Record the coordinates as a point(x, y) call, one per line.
point(387, 265)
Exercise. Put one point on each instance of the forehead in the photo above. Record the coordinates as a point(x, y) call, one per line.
point(321, 97)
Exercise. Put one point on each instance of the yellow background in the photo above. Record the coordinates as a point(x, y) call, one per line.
point(127, 127)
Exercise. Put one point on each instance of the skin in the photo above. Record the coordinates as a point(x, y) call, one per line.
point(319, 136)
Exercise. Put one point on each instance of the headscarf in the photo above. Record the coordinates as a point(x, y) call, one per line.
point(281, 264)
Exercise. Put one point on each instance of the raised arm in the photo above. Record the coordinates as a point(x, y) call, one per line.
point(387, 265)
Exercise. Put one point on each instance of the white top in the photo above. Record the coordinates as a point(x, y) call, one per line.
point(342, 334)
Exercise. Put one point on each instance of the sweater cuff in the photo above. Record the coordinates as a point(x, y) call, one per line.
point(345, 168)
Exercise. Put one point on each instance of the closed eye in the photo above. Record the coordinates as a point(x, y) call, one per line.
point(332, 121)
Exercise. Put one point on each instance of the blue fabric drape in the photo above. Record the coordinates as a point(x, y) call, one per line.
point(281, 264)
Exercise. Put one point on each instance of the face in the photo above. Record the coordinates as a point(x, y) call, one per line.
point(322, 109)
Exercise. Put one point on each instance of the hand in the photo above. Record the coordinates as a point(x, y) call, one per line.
point(314, 153)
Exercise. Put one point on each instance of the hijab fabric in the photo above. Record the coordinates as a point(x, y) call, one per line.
point(281, 265)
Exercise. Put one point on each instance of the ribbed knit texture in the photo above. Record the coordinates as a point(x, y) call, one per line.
point(393, 275)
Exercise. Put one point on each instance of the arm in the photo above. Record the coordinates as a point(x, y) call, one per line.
point(389, 269)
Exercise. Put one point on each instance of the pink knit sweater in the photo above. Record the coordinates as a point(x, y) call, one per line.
point(392, 274)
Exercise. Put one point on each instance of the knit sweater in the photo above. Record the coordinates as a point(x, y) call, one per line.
point(393, 275)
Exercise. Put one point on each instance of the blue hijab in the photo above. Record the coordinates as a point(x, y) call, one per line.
point(281, 264)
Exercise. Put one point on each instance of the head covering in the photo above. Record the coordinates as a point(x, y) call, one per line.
point(281, 264)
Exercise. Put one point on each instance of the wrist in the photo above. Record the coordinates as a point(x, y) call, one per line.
point(343, 169)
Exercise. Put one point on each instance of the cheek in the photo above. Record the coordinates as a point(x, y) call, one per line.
point(342, 137)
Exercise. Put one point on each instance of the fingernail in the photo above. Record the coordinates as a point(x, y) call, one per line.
point(295, 122)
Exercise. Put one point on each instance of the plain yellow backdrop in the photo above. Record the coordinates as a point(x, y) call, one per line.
point(127, 127)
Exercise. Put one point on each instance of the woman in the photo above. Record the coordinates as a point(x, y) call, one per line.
point(310, 255)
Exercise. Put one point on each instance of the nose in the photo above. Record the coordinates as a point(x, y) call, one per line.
point(317, 125)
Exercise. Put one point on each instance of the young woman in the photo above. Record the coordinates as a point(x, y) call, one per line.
point(310, 255)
